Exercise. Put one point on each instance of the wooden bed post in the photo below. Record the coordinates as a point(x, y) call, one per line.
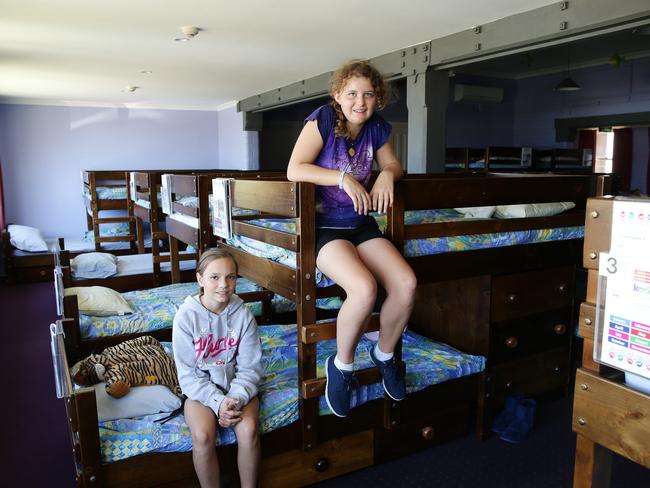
point(306, 305)
point(174, 260)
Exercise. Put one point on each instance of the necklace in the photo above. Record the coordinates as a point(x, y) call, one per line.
point(350, 146)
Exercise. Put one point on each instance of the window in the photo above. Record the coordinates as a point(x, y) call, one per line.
point(604, 152)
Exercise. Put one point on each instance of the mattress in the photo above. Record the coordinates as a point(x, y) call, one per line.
point(427, 363)
point(414, 247)
point(108, 192)
point(154, 309)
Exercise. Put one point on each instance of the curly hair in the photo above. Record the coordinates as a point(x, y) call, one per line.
point(361, 69)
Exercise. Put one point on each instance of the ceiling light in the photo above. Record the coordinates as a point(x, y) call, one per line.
point(567, 84)
point(129, 89)
point(189, 31)
point(145, 71)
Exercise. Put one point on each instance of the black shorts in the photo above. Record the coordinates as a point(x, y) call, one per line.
point(356, 236)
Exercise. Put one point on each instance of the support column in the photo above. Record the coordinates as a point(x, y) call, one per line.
point(427, 94)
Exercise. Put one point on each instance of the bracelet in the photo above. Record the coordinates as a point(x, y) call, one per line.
point(341, 176)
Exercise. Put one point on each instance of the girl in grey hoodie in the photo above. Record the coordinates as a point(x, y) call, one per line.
point(218, 357)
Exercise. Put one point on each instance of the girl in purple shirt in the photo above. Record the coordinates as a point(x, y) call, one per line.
point(335, 151)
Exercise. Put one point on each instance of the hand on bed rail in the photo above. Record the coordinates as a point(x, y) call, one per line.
point(229, 412)
point(381, 193)
point(357, 194)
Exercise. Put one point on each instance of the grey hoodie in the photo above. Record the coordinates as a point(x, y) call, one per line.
point(217, 354)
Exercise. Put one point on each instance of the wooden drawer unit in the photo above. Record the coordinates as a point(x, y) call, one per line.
point(522, 294)
point(514, 339)
point(531, 375)
point(598, 224)
point(326, 460)
point(612, 415)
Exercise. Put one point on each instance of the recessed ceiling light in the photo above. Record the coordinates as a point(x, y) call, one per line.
point(181, 39)
point(145, 71)
point(129, 89)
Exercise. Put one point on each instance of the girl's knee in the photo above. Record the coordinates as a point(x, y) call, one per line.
point(364, 291)
point(404, 287)
point(203, 438)
point(247, 432)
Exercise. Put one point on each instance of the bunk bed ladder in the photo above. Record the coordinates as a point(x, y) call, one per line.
point(306, 306)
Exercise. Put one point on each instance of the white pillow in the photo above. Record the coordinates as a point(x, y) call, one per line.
point(139, 401)
point(26, 238)
point(94, 265)
point(532, 210)
point(476, 212)
point(99, 300)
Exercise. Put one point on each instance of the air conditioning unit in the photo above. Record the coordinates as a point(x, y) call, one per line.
point(474, 93)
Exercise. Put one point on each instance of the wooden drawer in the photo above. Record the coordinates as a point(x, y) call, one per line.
point(613, 416)
point(34, 274)
point(328, 459)
point(433, 429)
point(531, 375)
point(522, 294)
point(541, 332)
point(598, 225)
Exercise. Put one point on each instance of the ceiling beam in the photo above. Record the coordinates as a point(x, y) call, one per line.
point(557, 23)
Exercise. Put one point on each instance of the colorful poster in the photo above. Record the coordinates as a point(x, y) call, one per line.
point(624, 331)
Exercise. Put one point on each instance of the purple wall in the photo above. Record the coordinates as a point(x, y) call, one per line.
point(238, 149)
point(472, 124)
point(605, 90)
point(43, 149)
point(640, 151)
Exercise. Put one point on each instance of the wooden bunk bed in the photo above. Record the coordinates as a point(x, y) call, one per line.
point(464, 159)
point(607, 415)
point(504, 158)
point(510, 304)
point(109, 181)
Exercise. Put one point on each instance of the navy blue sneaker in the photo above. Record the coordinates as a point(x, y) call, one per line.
point(394, 384)
point(522, 424)
point(338, 388)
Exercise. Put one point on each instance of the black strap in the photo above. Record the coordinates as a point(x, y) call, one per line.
point(173, 414)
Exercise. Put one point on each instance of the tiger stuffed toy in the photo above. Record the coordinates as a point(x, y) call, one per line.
point(140, 361)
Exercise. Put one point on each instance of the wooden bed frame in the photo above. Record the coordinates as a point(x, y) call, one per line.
point(607, 415)
point(461, 159)
point(453, 285)
point(94, 205)
point(503, 158)
point(511, 304)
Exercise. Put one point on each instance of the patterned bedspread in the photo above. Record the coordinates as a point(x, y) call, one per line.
point(154, 309)
point(427, 363)
point(414, 247)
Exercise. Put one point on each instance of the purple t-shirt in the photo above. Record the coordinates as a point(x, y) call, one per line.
point(334, 208)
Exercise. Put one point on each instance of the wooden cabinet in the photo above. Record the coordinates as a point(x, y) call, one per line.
point(522, 323)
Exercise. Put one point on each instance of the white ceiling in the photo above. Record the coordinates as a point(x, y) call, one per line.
point(83, 52)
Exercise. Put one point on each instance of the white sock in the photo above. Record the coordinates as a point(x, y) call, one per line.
point(382, 356)
point(343, 366)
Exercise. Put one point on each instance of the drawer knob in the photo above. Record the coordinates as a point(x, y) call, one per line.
point(587, 321)
point(42, 272)
point(556, 369)
point(512, 298)
point(428, 433)
point(509, 384)
point(562, 287)
point(584, 386)
point(559, 329)
point(594, 214)
point(593, 255)
point(512, 342)
point(321, 465)
point(582, 421)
